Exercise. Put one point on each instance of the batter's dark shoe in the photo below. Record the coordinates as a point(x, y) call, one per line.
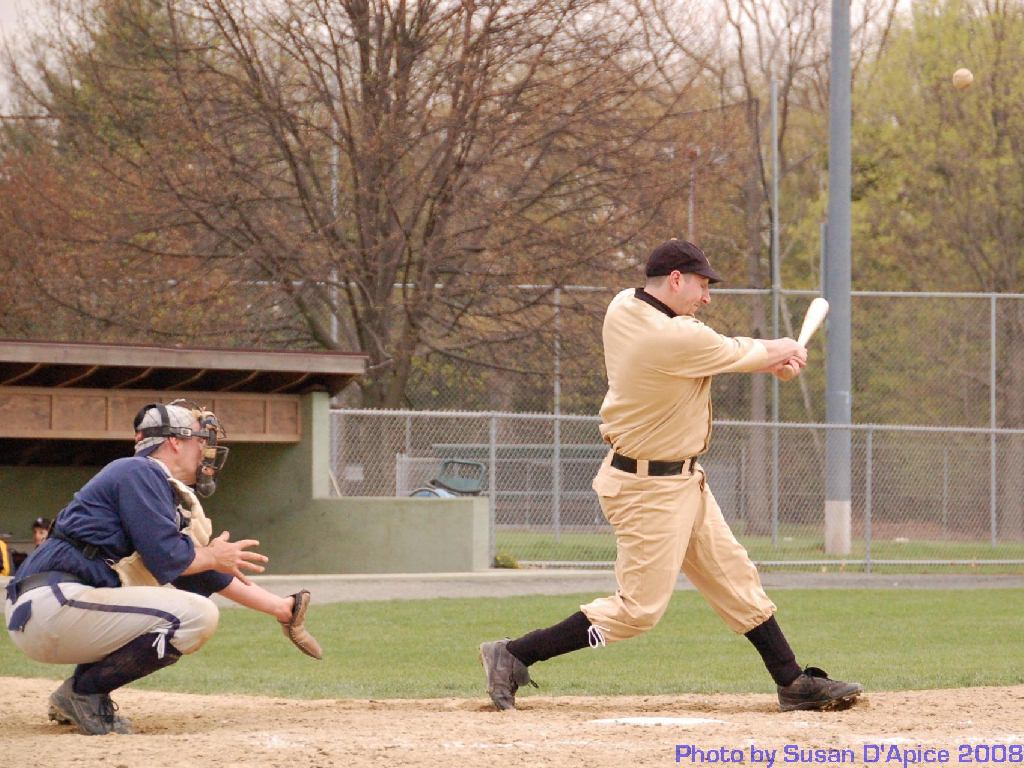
point(95, 714)
point(504, 672)
point(814, 690)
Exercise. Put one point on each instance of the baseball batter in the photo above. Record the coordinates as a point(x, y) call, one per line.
point(95, 594)
point(657, 419)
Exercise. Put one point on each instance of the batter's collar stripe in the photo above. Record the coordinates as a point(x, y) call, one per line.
point(656, 303)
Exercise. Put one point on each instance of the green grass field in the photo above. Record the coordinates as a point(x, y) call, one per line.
point(796, 544)
point(886, 639)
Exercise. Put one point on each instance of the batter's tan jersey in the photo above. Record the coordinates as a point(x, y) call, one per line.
point(658, 405)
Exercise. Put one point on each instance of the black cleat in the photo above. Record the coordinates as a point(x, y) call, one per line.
point(814, 690)
point(95, 714)
point(504, 672)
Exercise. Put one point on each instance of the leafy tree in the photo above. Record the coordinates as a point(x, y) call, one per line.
point(939, 200)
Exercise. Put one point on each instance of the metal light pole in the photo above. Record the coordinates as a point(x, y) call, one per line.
point(335, 160)
point(556, 458)
point(776, 286)
point(837, 287)
point(691, 206)
point(693, 155)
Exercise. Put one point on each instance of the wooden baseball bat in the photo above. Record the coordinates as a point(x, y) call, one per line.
point(812, 322)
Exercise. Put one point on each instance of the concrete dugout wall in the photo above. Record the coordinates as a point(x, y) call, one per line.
point(280, 495)
point(30, 492)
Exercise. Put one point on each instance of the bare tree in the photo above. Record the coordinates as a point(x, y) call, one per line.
point(360, 175)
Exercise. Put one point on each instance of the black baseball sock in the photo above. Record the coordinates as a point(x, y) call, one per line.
point(542, 644)
point(129, 662)
point(775, 651)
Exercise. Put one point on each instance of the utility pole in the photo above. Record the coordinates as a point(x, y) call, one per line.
point(837, 286)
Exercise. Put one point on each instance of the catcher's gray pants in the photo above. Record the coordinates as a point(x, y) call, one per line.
point(78, 624)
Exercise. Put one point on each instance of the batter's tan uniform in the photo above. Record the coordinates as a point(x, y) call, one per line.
point(658, 408)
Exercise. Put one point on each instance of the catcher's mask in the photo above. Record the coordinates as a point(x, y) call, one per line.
point(214, 455)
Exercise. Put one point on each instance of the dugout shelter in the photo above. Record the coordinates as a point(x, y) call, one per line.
point(66, 410)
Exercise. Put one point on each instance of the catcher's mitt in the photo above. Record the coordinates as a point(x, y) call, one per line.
point(295, 628)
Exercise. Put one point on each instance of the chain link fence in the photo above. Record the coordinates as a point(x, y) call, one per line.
point(923, 498)
point(949, 359)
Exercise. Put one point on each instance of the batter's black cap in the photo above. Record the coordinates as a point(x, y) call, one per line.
point(41, 522)
point(682, 256)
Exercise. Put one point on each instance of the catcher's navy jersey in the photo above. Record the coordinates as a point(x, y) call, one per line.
point(129, 506)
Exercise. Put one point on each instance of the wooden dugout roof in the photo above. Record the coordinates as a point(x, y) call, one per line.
point(108, 366)
point(65, 403)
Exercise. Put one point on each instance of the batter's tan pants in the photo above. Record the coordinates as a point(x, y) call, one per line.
point(664, 525)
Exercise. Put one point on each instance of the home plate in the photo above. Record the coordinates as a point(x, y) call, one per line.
point(685, 722)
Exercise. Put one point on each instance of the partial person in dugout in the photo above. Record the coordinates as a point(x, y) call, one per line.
point(40, 530)
point(94, 592)
point(11, 559)
point(656, 418)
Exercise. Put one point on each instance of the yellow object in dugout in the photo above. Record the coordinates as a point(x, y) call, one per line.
point(5, 559)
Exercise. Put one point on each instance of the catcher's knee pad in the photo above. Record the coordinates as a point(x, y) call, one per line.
point(197, 626)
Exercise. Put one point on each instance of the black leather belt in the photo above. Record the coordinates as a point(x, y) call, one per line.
point(37, 580)
point(656, 468)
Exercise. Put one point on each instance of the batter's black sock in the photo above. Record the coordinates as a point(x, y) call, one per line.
point(129, 662)
point(775, 651)
point(543, 644)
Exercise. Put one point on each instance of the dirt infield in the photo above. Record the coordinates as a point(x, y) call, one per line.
point(229, 731)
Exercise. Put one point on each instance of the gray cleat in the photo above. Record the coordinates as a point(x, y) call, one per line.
point(95, 714)
point(504, 672)
point(815, 690)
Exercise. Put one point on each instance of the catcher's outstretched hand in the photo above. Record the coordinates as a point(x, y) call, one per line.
point(231, 557)
point(295, 628)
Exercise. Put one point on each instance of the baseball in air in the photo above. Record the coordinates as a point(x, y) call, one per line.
point(962, 78)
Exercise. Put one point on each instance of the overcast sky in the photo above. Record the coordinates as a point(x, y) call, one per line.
point(8, 23)
point(15, 15)
point(9, 14)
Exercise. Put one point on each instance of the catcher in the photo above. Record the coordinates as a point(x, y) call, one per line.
point(95, 593)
